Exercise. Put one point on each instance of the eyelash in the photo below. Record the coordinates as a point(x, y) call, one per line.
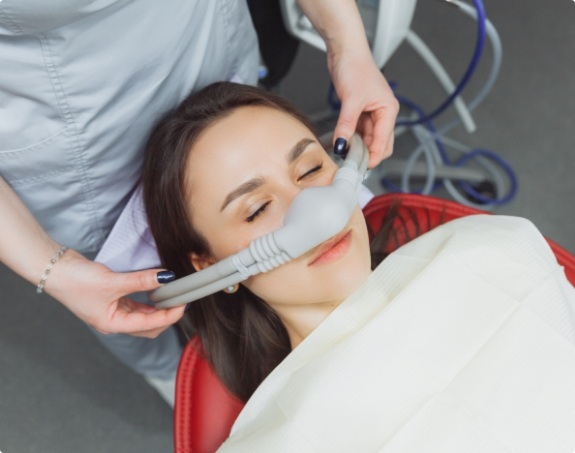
point(310, 172)
point(263, 207)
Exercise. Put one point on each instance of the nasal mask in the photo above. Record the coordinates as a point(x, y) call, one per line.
point(315, 215)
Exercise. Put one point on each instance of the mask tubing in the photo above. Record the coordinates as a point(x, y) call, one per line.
point(315, 215)
point(198, 293)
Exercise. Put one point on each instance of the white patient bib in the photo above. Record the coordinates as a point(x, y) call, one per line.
point(462, 341)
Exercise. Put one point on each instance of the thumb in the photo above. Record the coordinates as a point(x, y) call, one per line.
point(146, 280)
point(348, 118)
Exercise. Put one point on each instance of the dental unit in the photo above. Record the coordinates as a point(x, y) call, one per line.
point(315, 215)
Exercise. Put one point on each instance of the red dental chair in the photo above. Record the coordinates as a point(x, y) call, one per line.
point(205, 410)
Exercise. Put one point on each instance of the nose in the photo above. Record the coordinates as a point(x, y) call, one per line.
point(299, 234)
point(315, 215)
point(318, 213)
point(292, 190)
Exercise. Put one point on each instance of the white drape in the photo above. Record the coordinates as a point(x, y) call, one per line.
point(461, 341)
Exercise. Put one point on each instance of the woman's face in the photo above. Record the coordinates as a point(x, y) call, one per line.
point(242, 175)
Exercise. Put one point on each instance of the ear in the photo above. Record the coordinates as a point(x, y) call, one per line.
point(201, 261)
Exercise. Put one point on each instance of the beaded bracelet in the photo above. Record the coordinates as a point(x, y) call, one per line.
point(55, 258)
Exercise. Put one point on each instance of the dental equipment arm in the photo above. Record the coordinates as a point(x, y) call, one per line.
point(316, 214)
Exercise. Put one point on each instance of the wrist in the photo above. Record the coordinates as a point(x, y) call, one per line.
point(352, 41)
point(340, 25)
point(348, 56)
point(46, 274)
point(56, 283)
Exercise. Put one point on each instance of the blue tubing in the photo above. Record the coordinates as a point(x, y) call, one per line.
point(481, 34)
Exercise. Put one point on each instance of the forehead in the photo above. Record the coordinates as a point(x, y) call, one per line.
point(252, 125)
point(246, 133)
point(249, 141)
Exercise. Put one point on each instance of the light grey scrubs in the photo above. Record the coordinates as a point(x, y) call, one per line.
point(81, 84)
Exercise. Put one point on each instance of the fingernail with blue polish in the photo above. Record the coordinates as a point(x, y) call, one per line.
point(340, 146)
point(165, 277)
point(187, 307)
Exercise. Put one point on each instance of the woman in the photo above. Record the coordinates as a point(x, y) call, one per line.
point(92, 78)
point(344, 359)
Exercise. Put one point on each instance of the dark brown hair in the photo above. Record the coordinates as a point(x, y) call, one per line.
point(242, 337)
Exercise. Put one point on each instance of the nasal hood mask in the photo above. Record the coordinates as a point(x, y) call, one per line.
point(315, 215)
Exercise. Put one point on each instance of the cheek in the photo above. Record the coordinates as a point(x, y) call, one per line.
point(297, 283)
point(225, 241)
point(229, 237)
point(274, 285)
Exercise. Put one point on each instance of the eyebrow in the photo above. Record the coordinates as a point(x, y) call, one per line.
point(298, 149)
point(255, 183)
point(246, 187)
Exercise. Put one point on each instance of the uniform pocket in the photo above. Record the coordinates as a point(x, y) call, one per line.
point(51, 158)
point(48, 180)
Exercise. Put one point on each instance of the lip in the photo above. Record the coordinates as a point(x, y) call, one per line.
point(332, 249)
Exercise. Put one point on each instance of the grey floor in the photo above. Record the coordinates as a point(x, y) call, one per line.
point(61, 392)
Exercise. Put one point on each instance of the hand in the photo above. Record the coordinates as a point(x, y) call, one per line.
point(368, 104)
point(98, 297)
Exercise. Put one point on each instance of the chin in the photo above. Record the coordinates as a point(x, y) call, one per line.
point(333, 281)
point(348, 283)
point(340, 280)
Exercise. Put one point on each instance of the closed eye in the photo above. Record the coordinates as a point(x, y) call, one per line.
point(263, 207)
point(260, 210)
point(311, 172)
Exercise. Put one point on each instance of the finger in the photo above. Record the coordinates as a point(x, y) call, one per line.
point(135, 318)
point(367, 131)
point(348, 118)
point(147, 280)
point(381, 144)
point(365, 128)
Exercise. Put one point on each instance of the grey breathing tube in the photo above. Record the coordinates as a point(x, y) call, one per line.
point(315, 215)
